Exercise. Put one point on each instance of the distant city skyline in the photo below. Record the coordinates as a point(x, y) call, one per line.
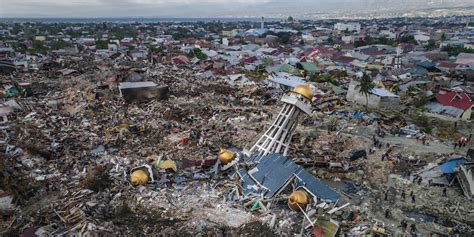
point(214, 8)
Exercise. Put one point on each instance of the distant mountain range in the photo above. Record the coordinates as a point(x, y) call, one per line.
point(312, 9)
point(361, 8)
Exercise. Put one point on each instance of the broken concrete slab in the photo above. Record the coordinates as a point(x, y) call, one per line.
point(143, 91)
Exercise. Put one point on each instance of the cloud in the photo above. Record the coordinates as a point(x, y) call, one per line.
point(105, 8)
point(204, 8)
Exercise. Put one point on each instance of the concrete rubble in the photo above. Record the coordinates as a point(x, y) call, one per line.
point(180, 146)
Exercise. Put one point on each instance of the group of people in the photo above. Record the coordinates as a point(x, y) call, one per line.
point(462, 142)
point(404, 225)
point(423, 139)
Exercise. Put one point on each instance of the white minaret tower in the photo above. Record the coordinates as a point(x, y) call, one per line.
point(398, 58)
point(278, 137)
point(262, 23)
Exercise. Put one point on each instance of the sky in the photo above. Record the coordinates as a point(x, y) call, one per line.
point(206, 8)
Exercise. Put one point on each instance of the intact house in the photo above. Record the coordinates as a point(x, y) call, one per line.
point(377, 98)
point(452, 103)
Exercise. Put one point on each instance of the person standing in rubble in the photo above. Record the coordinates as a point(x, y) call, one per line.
point(420, 179)
point(413, 229)
point(372, 150)
point(413, 199)
point(387, 153)
point(404, 225)
point(445, 194)
point(403, 195)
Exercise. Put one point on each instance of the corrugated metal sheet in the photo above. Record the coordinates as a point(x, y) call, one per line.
point(449, 166)
point(441, 109)
point(382, 93)
point(275, 170)
point(316, 187)
point(287, 82)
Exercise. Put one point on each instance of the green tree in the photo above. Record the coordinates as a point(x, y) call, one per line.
point(19, 47)
point(196, 52)
point(57, 44)
point(38, 46)
point(365, 87)
point(443, 37)
point(454, 50)
point(284, 37)
point(181, 33)
point(101, 44)
point(408, 39)
point(157, 50)
point(290, 19)
point(420, 100)
point(431, 44)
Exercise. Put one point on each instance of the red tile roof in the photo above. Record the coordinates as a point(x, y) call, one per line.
point(454, 99)
point(343, 59)
point(447, 64)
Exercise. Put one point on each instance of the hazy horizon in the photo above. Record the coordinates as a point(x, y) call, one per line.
point(209, 8)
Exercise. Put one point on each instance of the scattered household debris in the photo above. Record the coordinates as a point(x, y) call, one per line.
point(191, 136)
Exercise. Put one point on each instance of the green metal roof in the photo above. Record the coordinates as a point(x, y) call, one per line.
point(310, 67)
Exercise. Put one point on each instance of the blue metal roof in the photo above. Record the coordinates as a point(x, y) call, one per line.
point(316, 187)
point(275, 170)
point(248, 184)
point(449, 166)
point(286, 82)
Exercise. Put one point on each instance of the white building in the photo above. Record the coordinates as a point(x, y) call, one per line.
point(347, 39)
point(388, 34)
point(40, 38)
point(377, 98)
point(347, 26)
point(422, 37)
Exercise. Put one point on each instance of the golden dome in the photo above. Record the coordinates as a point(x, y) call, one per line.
point(139, 177)
point(305, 91)
point(226, 156)
point(298, 198)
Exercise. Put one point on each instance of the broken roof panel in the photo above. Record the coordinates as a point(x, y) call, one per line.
point(287, 68)
point(287, 82)
point(449, 166)
point(382, 93)
point(310, 67)
point(315, 186)
point(454, 99)
point(435, 107)
point(248, 184)
point(273, 172)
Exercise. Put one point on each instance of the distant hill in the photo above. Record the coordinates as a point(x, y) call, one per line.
point(236, 8)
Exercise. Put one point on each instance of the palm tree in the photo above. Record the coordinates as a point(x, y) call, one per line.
point(365, 87)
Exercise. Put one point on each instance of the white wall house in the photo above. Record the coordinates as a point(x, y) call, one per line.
point(378, 98)
point(347, 26)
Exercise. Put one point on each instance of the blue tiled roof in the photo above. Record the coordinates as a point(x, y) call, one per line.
point(275, 170)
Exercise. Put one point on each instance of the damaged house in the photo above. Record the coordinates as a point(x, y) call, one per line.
point(378, 98)
point(452, 103)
